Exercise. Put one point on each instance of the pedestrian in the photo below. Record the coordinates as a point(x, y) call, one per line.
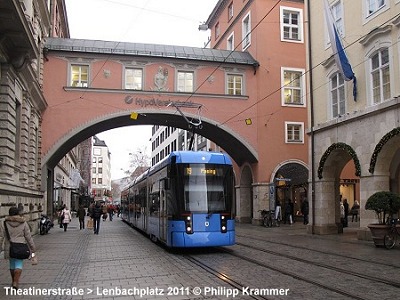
point(59, 212)
point(278, 210)
point(355, 210)
point(65, 217)
point(18, 232)
point(346, 212)
point(110, 210)
point(96, 215)
point(289, 212)
point(81, 215)
point(342, 213)
point(104, 209)
point(305, 211)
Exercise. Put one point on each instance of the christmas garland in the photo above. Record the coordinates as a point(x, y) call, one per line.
point(344, 147)
point(379, 147)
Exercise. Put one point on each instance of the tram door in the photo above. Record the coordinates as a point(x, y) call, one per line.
point(163, 211)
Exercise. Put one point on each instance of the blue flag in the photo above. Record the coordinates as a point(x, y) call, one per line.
point(338, 52)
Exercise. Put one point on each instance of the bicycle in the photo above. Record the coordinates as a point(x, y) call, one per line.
point(269, 218)
point(390, 238)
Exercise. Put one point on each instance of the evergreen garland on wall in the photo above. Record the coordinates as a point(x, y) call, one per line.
point(344, 147)
point(379, 147)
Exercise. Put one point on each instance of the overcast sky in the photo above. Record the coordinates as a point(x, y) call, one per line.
point(172, 22)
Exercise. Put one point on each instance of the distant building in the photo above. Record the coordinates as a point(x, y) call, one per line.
point(101, 171)
point(166, 139)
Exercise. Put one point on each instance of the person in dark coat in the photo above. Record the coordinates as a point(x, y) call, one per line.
point(81, 215)
point(305, 211)
point(96, 215)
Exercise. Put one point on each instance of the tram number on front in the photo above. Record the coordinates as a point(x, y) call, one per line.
point(203, 171)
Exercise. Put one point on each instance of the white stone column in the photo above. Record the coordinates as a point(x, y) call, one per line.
point(326, 208)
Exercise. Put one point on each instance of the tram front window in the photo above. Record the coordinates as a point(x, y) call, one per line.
point(204, 188)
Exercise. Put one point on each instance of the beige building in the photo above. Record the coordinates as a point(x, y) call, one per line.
point(24, 26)
point(363, 133)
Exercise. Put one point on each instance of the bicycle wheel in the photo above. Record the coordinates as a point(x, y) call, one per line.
point(267, 221)
point(389, 240)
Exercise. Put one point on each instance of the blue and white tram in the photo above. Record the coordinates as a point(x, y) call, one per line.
point(186, 200)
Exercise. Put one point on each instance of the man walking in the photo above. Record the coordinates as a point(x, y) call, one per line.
point(97, 213)
point(81, 215)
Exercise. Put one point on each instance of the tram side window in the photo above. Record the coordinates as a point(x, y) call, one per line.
point(154, 203)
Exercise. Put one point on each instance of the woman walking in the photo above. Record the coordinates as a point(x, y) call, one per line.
point(65, 217)
point(18, 232)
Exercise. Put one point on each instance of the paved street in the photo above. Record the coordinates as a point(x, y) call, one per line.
point(119, 258)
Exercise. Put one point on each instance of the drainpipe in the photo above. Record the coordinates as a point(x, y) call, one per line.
point(311, 119)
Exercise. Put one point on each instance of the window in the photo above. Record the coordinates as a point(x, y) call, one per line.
point(100, 170)
point(234, 84)
point(94, 180)
point(294, 132)
point(291, 24)
point(100, 180)
point(337, 13)
point(246, 32)
point(133, 79)
point(94, 170)
point(293, 85)
point(230, 11)
point(230, 42)
point(94, 160)
point(374, 5)
point(185, 81)
point(216, 30)
point(337, 95)
point(79, 75)
point(96, 151)
point(380, 76)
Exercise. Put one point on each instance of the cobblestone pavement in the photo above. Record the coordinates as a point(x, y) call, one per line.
point(121, 258)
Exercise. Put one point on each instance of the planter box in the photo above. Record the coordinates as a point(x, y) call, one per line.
point(378, 232)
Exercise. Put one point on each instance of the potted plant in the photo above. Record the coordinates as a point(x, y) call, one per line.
point(385, 204)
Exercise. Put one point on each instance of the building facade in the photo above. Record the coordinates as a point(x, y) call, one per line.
point(273, 33)
point(101, 171)
point(166, 139)
point(346, 132)
point(24, 26)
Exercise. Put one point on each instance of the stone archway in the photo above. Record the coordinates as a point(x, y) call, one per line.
point(236, 146)
point(291, 181)
point(325, 208)
point(384, 171)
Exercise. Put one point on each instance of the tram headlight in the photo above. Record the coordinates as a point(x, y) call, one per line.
point(223, 224)
point(188, 224)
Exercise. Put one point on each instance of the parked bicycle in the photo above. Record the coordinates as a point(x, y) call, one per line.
point(269, 219)
point(390, 238)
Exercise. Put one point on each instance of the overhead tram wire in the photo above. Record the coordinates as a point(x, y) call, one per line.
point(307, 71)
